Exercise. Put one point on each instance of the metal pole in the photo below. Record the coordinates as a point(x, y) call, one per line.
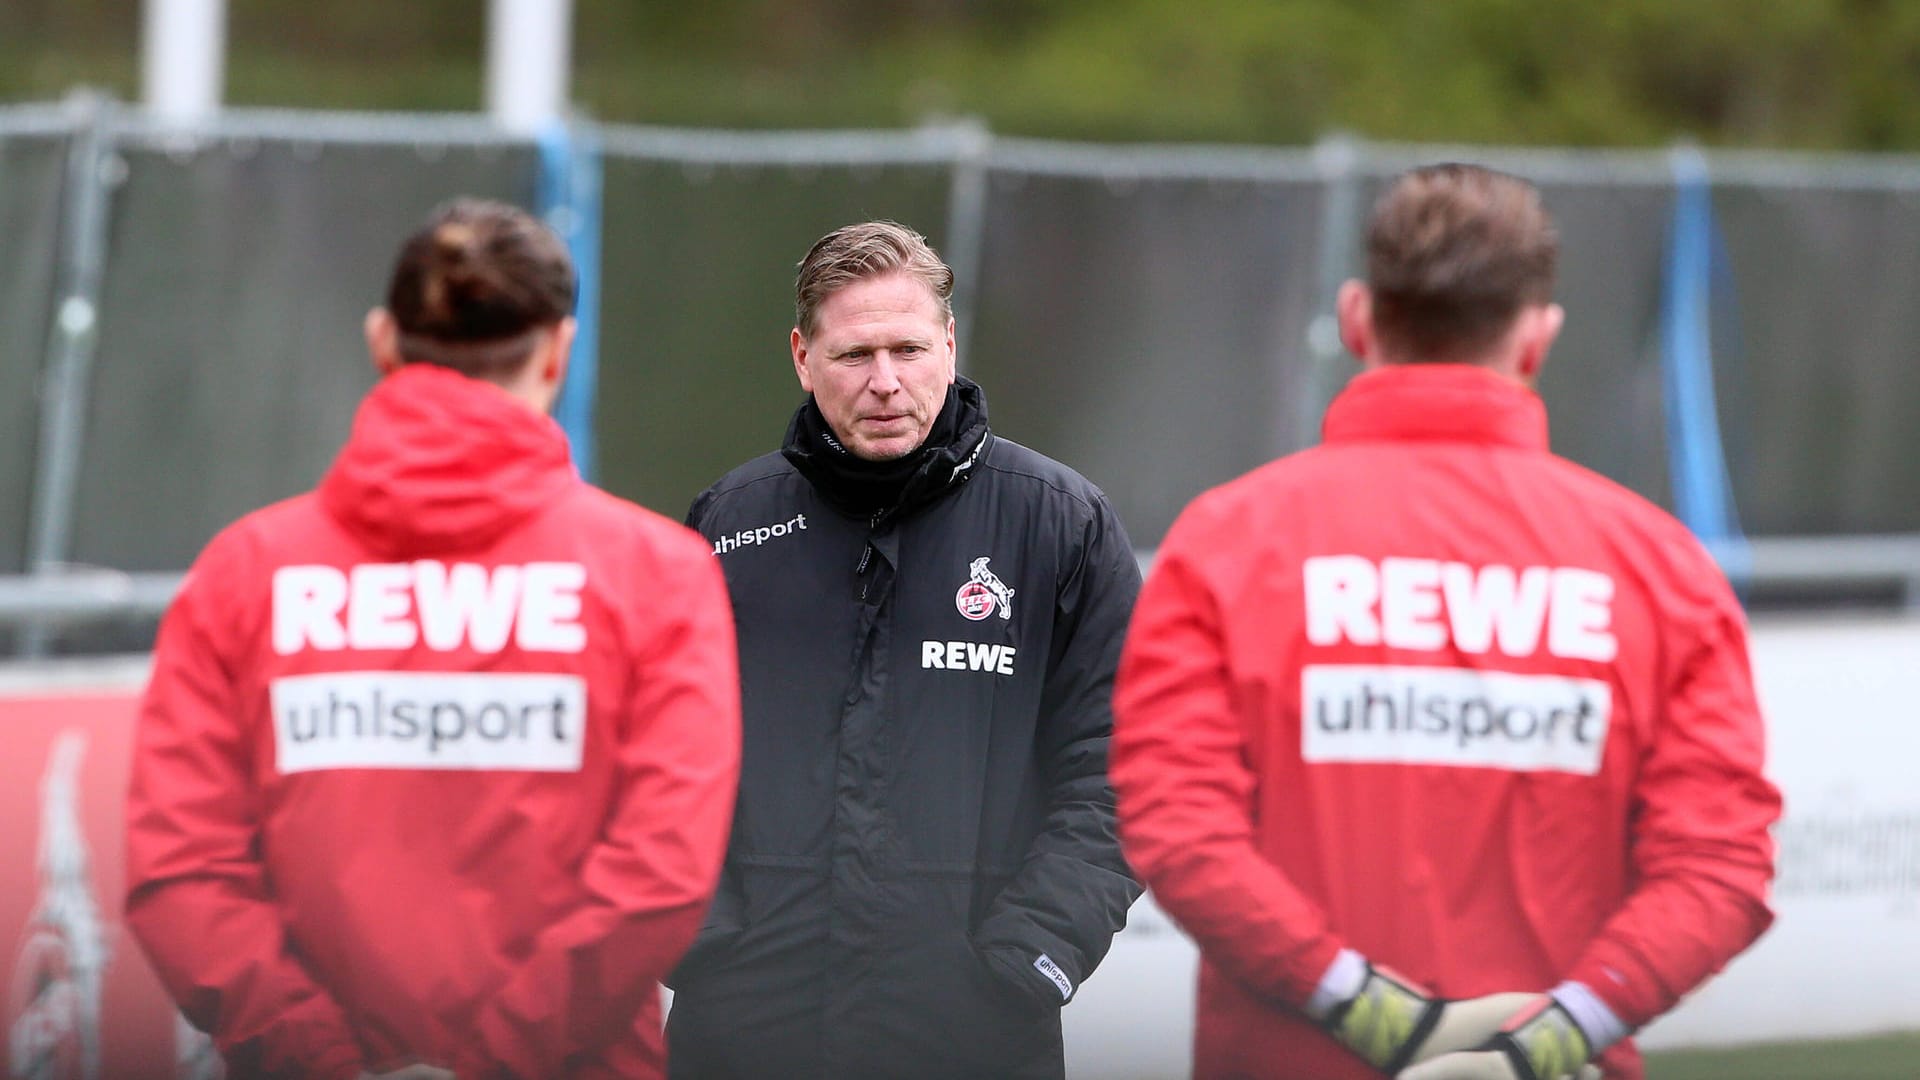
point(183, 58)
point(529, 46)
point(69, 364)
point(967, 226)
point(569, 198)
point(1702, 488)
point(82, 596)
point(1337, 159)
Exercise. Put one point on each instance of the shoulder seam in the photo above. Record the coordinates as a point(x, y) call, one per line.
point(1077, 496)
point(740, 485)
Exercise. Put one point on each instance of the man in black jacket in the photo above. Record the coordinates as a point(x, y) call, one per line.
point(924, 866)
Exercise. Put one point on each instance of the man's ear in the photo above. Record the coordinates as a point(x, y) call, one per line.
point(1354, 308)
point(383, 342)
point(798, 343)
point(558, 353)
point(1539, 328)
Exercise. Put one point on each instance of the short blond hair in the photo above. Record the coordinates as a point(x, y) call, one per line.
point(857, 252)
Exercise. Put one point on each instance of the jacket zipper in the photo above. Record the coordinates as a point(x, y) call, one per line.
point(866, 554)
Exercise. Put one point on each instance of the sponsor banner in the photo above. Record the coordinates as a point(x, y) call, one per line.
point(79, 1001)
point(1848, 927)
point(1453, 716)
point(1841, 742)
point(429, 720)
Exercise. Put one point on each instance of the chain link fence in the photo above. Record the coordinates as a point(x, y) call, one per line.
point(180, 316)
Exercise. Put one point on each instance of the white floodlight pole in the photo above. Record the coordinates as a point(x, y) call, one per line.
point(528, 61)
point(183, 57)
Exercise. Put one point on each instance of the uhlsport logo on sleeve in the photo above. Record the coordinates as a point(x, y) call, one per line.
point(1045, 966)
point(1453, 716)
point(984, 593)
point(429, 720)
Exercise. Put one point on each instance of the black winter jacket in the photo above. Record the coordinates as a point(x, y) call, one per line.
point(924, 865)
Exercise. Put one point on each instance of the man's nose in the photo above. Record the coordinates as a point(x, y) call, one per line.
point(886, 376)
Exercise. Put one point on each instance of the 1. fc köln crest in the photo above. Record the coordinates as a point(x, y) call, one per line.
point(984, 593)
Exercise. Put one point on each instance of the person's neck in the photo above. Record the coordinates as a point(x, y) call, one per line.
point(1505, 366)
point(866, 485)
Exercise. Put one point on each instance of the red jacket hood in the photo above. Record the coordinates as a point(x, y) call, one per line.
point(439, 462)
point(1451, 402)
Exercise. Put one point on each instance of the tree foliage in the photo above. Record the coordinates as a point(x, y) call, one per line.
point(1818, 74)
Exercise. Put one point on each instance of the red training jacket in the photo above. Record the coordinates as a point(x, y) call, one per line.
point(1432, 693)
point(437, 762)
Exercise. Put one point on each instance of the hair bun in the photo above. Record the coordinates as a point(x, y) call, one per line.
point(480, 271)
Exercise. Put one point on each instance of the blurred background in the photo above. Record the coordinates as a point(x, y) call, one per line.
point(1148, 205)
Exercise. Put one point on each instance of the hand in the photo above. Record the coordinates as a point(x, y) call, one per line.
point(1540, 1041)
point(1393, 1023)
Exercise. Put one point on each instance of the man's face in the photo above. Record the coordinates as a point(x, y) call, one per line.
point(879, 362)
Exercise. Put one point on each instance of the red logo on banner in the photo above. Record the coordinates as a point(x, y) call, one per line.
point(77, 999)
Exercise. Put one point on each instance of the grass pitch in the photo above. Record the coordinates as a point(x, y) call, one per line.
point(1883, 1057)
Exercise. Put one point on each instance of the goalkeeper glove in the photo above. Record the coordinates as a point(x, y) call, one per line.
point(1391, 1023)
point(1539, 1042)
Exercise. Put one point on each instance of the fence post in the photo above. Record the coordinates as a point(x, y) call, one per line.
point(67, 374)
point(1338, 159)
point(967, 225)
point(569, 198)
point(1702, 489)
point(529, 62)
point(183, 50)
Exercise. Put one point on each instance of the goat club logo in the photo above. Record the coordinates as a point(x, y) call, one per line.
point(984, 593)
point(54, 1029)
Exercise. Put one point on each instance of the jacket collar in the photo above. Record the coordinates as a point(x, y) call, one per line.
point(942, 468)
point(439, 462)
point(1437, 402)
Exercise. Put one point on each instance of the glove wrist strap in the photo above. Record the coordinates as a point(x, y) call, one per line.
point(1385, 1022)
point(1545, 1043)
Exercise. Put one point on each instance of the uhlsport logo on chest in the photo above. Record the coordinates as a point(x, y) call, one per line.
point(984, 593)
point(760, 534)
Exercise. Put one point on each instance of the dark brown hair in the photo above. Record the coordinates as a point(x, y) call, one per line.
point(856, 252)
point(1453, 253)
point(475, 283)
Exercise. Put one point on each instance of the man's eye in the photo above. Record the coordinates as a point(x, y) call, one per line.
point(910, 350)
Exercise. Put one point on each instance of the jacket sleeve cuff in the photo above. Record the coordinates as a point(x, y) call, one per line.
point(1625, 988)
point(1601, 1025)
point(1343, 979)
point(1034, 977)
